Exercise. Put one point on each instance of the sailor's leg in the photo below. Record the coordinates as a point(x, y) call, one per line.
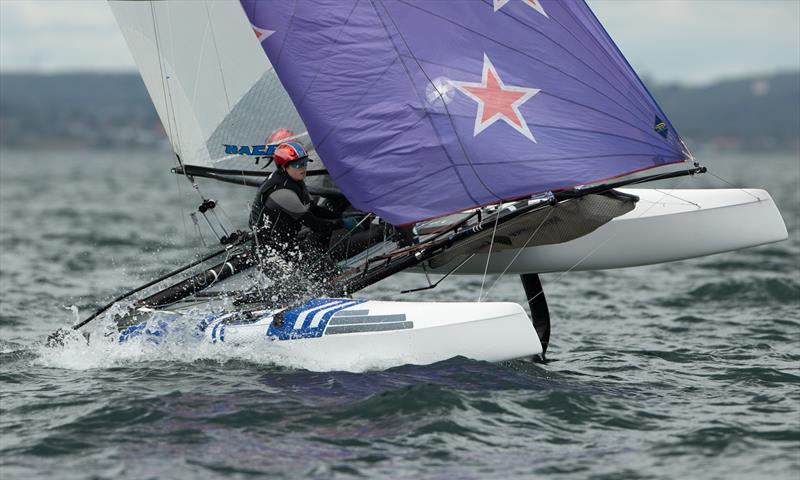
point(357, 243)
point(538, 306)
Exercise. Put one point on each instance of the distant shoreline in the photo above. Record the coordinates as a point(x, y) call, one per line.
point(96, 110)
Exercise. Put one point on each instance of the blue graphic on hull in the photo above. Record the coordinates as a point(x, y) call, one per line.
point(309, 320)
point(247, 321)
point(161, 323)
point(219, 327)
point(153, 331)
point(306, 321)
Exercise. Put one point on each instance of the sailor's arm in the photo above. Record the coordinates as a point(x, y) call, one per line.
point(322, 212)
point(287, 201)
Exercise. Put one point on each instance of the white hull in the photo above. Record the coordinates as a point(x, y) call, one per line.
point(665, 226)
point(347, 334)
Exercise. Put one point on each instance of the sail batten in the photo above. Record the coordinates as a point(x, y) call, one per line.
point(424, 108)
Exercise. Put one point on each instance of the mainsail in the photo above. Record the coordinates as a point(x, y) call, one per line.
point(212, 86)
point(424, 108)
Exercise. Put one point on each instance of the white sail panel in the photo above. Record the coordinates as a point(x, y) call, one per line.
point(207, 76)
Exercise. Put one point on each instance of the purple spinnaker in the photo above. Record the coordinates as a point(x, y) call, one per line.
point(423, 108)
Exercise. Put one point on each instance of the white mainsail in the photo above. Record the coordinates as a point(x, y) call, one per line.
point(207, 76)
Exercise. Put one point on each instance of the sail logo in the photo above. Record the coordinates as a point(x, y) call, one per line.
point(661, 127)
point(252, 150)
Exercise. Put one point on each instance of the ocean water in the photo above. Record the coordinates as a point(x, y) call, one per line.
point(682, 370)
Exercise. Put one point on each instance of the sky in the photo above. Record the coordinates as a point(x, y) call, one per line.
point(686, 41)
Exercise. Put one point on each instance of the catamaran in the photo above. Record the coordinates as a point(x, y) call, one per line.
point(504, 135)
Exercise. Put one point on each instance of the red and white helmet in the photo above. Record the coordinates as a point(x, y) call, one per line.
point(289, 152)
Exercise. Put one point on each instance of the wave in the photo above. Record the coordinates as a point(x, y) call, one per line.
point(783, 291)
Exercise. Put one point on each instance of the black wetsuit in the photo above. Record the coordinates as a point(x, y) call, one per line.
point(298, 267)
point(306, 260)
point(282, 207)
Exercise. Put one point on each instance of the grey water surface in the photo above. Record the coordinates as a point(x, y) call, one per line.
point(682, 370)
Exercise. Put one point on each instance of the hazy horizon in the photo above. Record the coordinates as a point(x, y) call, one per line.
point(648, 79)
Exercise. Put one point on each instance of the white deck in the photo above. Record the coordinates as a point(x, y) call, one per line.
point(665, 226)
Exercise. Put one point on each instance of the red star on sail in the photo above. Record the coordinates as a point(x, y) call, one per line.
point(497, 101)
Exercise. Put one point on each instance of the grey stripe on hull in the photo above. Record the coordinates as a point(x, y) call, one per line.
point(349, 313)
point(370, 319)
point(370, 327)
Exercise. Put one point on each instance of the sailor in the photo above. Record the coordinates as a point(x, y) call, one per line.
point(283, 206)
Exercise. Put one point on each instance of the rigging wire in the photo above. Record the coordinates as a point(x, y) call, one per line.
point(169, 110)
point(209, 27)
point(180, 208)
point(602, 244)
point(219, 60)
point(225, 214)
point(164, 87)
point(221, 225)
point(224, 264)
point(734, 186)
point(345, 236)
point(436, 284)
point(677, 197)
point(197, 228)
point(169, 106)
point(489, 256)
point(519, 250)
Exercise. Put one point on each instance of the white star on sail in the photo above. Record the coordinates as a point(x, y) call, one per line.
point(262, 33)
point(496, 101)
point(535, 4)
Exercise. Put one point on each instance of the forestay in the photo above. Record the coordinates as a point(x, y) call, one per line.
point(208, 79)
point(424, 108)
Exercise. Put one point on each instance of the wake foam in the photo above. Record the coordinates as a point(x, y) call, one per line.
point(168, 337)
point(161, 338)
